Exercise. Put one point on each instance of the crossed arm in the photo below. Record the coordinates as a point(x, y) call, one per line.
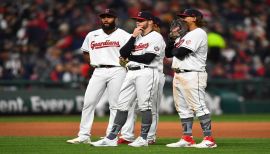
point(125, 52)
point(180, 53)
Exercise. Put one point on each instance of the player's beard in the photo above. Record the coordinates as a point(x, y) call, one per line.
point(145, 26)
point(109, 27)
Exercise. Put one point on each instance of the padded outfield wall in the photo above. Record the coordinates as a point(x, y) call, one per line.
point(224, 96)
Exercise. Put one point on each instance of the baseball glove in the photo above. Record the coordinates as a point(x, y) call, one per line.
point(178, 28)
point(123, 61)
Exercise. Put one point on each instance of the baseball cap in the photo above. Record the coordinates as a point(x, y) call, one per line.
point(157, 21)
point(191, 13)
point(144, 15)
point(109, 12)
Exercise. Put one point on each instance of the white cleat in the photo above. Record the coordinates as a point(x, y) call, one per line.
point(105, 142)
point(186, 141)
point(79, 141)
point(208, 142)
point(139, 142)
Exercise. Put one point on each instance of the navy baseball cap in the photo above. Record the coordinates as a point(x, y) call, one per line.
point(144, 15)
point(109, 12)
point(191, 13)
point(157, 21)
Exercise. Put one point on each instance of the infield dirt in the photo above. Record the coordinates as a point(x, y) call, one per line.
point(165, 129)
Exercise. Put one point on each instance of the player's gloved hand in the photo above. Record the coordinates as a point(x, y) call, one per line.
point(178, 28)
point(123, 61)
point(174, 33)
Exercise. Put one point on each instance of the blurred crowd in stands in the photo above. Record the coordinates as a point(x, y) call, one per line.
point(41, 39)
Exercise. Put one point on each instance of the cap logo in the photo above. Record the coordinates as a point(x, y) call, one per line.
point(107, 10)
point(139, 14)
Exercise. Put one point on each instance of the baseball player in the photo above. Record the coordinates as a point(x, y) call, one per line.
point(189, 54)
point(127, 131)
point(102, 46)
point(143, 51)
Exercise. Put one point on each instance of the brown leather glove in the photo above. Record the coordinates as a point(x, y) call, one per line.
point(178, 28)
point(123, 61)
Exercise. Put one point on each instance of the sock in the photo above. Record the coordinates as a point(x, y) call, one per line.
point(187, 124)
point(146, 123)
point(205, 121)
point(119, 121)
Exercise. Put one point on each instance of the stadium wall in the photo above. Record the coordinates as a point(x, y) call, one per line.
point(223, 96)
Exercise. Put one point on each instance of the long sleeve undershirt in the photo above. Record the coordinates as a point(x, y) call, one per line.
point(179, 53)
point(126, 50)
point(145, 58)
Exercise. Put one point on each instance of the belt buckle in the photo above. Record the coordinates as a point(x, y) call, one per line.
point(182, 71)
point(177, 70)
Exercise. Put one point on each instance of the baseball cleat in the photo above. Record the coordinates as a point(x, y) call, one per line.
point(123, 141)
point(78, 141)
point(139, 142)
point(185, 141)
point(105, 142)
point(151, 141)
point(207, 142)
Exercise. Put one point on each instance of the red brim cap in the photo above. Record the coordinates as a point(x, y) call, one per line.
point(138, 18)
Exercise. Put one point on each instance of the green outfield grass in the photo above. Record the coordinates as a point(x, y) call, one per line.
point(52, 145)
point(76, 118)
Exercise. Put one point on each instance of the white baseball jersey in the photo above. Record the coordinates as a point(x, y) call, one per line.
point(189, 87)
point(151, 43)
point(146, 80)
point(196, 41)
point(161, 57)
point(104, 48)
point(127, 131)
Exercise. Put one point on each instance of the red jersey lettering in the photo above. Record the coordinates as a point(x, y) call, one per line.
point(107, 43)
point(141, 46)
point(178, 44)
